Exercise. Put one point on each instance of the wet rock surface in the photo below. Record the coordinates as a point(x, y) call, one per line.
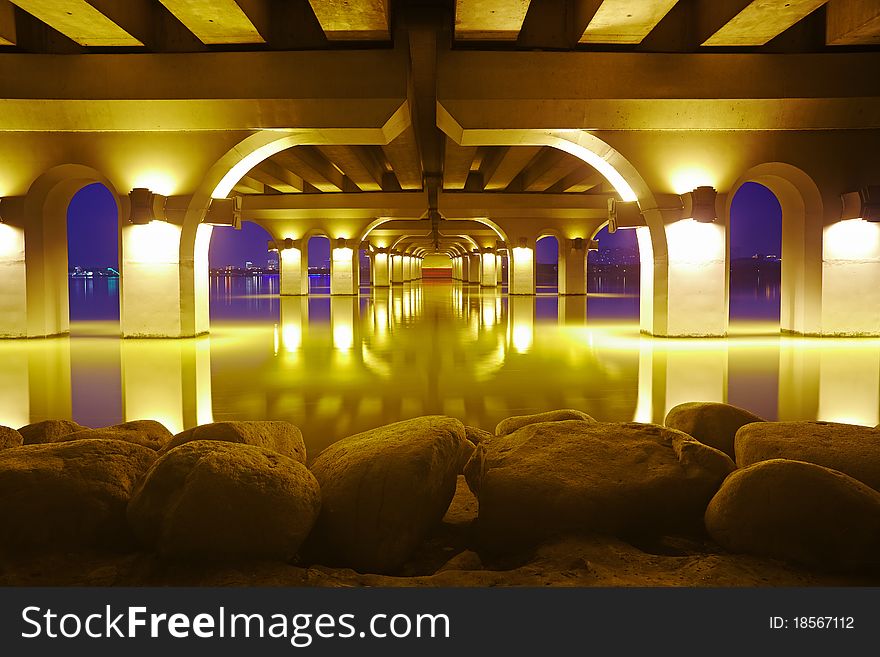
point(798, 511)
point(147, 433)
point(511, 424)
point(713, 424)
point(9, 437)
point(61, 496)
point(849, 448)
point(216, 500)
point(282, 437)
point(383, 490)
point(48, 431)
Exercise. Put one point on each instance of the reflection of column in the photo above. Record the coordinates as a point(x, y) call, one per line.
point(488, 272)
point(521, 270)
point(381, 313)
point(168, 381)
point(343, 269)
point(672, 373)
point(572, 309)
point(294, 317)
point(572, 266)
point(849, 384)
point(14, 384)
point(34, 381)
point(381, 268)
point(294, 273)
point(396, 268)
point(798, 381)
point(474, 268)
point(13, 286)
point(342, 321)
point(521, 323)
point(850, 271)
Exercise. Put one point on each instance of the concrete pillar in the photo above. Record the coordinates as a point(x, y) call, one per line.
point(474, 268)
point(407, 268)
point(396, 268)
point(418, 268)
point(850, 273)
point(488, 273)
point(381, 268)
point(521, 270)
point(499, 269)
point(167, 381)
point(572, 266)
point(294, 270)
point(13, 284)
point(344, 268)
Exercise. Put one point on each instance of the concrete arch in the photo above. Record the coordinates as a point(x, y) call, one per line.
point(802, 219)
point(45, 309)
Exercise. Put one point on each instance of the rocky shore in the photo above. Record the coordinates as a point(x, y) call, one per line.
point(716, 497)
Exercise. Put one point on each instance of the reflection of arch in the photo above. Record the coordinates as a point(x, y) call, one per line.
point(45, 234)
point(802, 214)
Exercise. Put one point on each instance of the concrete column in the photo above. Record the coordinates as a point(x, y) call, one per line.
point(381, 268)
point(407, 268)
point(474, 268)
point(499, 269)
point(294, 270)
point(396, 268)
point(344, 268)
point(850, 273)
point(488, 272)
point(521, 270)
point(572, 266)
point(418, 268)
point(13, 284)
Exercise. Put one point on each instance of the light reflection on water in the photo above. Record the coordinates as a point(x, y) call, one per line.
point(339, 365)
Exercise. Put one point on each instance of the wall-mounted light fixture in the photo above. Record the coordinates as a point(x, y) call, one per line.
point(699, 205)
point(522, 242)
point(281, 245)
point(863, 204)
point(146, 206)
point(341, 243)
point(624, 214)
point(225, 212)
point(592, 245)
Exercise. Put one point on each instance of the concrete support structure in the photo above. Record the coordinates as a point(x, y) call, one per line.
point(488, 268)
point(407, 268)
point(850, 276)
point(396, 269)
point(294, 274)
point(474, 268)
point(344, 269)
point(521, 270)
point(572, 266)
point(381, 268)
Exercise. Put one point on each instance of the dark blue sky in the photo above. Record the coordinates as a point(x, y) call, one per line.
point(756, 226)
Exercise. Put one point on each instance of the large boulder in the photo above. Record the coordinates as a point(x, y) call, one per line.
point(48, 431)
point(282, 437)
point(511, 424)
point(62, 496)
point(558, 478)
point(850, 448)
point(800, 512)
point(712, 423)
point(216, 500)
point(9, 437)
point(383, 490)
point(148, 433)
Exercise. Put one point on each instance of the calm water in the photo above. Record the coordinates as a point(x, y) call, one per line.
point(335, 366)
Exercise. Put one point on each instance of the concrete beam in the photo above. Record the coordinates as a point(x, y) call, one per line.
point(658, 91)
point(277, 177)
point(342, 89)
point(852, 22)
point(357, 205)
point(547, 169)
point(489, 20)
point(7, 23)
point(79, 21)
point(215, 21)
point(457, 164)
point(583, 178)
point(465, 205)
point(762, 20)
point(358, 20)
point(625, 21)
point(500, 173)
point(152, 24)
point(308, 163)
point(357, 164)
point(403, 154)
point(250, 185)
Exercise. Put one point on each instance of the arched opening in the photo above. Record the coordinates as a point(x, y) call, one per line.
point(365, 274)
point(547, 265)
point(319, 278)
point(244, 274)
point(93, 259)
point(755, 258)
point(613, 273)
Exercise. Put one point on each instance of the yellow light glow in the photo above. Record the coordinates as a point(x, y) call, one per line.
point(601, 165)
point(291, 336)
point(852, 239)
point(343, 336)
point(154, 243)
point(692, 242)
point(342, 255)
point(247, 163)
point(688, 177)
point(157, 181)
point(522, 337)
point(11, 242)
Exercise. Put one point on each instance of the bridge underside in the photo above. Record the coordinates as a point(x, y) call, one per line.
point(468, 129)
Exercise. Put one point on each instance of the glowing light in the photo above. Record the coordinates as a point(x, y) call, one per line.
point(693, 242)
point(601, 165)
point(157, 181)
point(11, 242)
point(686, 178)
point(343, 336)
point(154, 243)
point(342, 255)
point(247, 163)
point(521, 275)
point(852, 239)
point(291, 336)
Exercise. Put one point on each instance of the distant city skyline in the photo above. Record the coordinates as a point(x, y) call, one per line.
point(756, 228)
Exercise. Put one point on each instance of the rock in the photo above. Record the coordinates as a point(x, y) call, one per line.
point(799, 512)
point(467, 560)
point(383, 490)
point(477, 435)
point(711, 423)
point(282, 437)
point(9, 437)
point(558, 478)
point(148, 433)
point(70, 495)
point(850, 448)
point(511, 424)
point(215, 500)
point(48, 431)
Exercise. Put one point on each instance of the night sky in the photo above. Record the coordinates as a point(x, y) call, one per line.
point(756, 225)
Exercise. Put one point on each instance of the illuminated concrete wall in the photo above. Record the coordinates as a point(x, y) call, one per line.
point(851, 278)
point(521, 271)
point(381, 267)
point(474, 268)
point(344, 271)
point(488, 269)
point(294, 274)
point(13, 283)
